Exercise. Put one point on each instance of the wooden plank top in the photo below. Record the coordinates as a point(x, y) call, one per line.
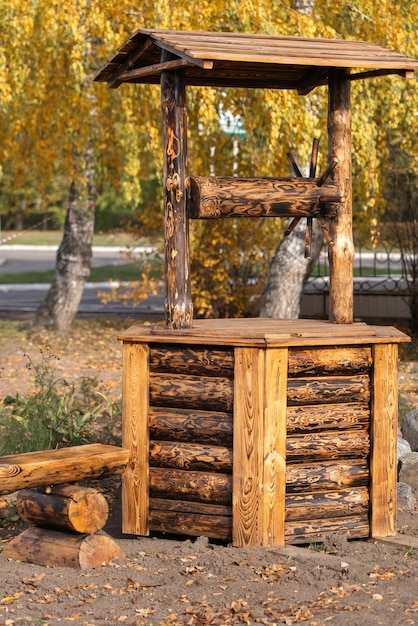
point(266, 332)
point(246, 60)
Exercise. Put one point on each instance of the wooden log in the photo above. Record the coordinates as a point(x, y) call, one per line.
point(384, 431)
point(178, 299)
point(349, 415)
point(185, 506)
point(316, 530)
point(190, 456)
point(327, 504)
point(325, 446)
point(135, 437)
point(344, 360)
point(191, 392)
point(332, 389)
point(205, 427)
point(52, 467)
point(341, 253)
point(195, 486)
point(56, 549)
point(329, 475)
point(194, 361)
point(214, 526)
point(67, 507)
point(229, 196)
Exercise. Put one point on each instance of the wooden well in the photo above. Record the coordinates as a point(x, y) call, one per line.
point(258, 431)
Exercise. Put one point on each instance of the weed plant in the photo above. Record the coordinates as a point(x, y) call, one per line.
point(57, 414)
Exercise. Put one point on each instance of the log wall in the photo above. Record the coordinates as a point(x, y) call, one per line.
point(194, 470)
point(260, 444)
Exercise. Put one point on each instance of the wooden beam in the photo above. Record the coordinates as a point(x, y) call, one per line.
point(247, 477)
point(384, 431)
point(341, 253)
point(156, 68)
point(114, 80)
point(274, 447)
point(383, 72)
point(135, 401)
point(178, 299)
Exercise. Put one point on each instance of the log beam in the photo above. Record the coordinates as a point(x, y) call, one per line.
point(341, 253)
point(178, 300)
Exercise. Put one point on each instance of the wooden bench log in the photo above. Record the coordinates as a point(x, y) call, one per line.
point(67, 507)
point(65, 465)
point(229, 196)
point(57, 549)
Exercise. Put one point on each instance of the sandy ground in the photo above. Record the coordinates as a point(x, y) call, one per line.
point(177, 580)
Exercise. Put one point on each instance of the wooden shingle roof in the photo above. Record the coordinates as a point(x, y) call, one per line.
point(246, 60)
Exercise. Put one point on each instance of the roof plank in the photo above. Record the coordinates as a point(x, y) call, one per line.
point(227, 59)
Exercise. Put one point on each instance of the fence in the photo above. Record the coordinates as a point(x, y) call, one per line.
point(380, 287)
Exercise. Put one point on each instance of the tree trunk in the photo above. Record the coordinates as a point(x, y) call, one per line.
point(74, 256)
point(288, 273)
point(289, 269)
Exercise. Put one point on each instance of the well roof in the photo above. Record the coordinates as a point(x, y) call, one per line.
point(247, 60)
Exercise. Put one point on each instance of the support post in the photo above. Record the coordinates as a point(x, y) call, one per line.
point(135, 438)
point(178, 301)
point(341, 253)
point(384, 432)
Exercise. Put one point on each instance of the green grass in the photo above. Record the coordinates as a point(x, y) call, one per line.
point(125, 272)
point(53, 238)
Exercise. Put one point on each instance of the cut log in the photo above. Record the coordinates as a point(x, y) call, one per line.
point(196, 486)
point(302, 391)
point(326, 361)
point(316, 530)
point(346, 416)
point(65, 465)
point(324, 446)
point(189, 360)
point(216, 196)
point(206, 427)
point(191, 456)
point(191, 392)
point(327, 504)
point(67, 507)
point(56, 549)
point(328, 475)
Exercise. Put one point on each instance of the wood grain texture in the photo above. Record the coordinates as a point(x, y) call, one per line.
point(190, 456)
point(248, 480)
point(329, 475)
point(274, 447)
point(189, 523)
point(68, 507)
point(191, 392)
point(306, 531)
point(327, 504)
point(384, 430)
point(207, 487)
point(344, 360)
point(341, 253)
point(52, 548)
point(344, 416)
point(332, 389)
point(192, 360)
point(53, 467)
point(205, 427)
point(216, 197)
point(326, 446)
point(178, 299)
point(135, 437)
